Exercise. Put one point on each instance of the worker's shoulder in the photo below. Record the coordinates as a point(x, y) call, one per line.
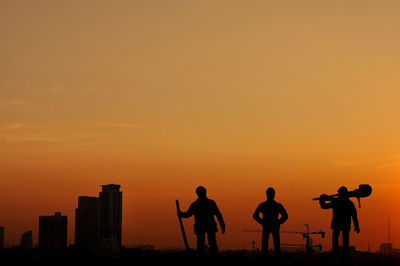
point(279, 205)
point(350, 203)
point(262, 204)
point(210, 201)
point(195, 203)
point(203, 201)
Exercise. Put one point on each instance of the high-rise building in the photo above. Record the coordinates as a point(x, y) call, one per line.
point(111, 214)
point(53, 232)
point(1, 237)
point(87, 223)
point(26, 240)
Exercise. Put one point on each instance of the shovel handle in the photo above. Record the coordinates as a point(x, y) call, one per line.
point(181, 226)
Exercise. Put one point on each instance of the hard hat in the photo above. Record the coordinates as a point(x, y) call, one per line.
point(343, 190)
point(270, 190)
point(200, 190)
point(270, 193)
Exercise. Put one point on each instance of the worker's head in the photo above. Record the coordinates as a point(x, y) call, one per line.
point(201, 192)
point(343, 192)
point(270, 193)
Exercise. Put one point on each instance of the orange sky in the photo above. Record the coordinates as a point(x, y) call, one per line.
point(162, 96)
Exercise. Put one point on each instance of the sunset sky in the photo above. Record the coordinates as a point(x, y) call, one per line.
point(163, 96)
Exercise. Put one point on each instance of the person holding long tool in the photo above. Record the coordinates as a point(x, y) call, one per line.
point(204, 210)
point(343, 212)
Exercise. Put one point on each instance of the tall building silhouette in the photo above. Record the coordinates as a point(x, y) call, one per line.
point(26, 240)
point(1, 237)
point(111, 213)
point(53, 232)
point(87, 223)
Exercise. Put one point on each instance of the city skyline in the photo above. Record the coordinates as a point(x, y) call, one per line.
point(97, 219)
point(164, 96)
point(90, 232)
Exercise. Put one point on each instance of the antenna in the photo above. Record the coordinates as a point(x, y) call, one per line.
point(388, 230)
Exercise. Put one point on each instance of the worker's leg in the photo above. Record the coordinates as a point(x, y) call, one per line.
point(264, 241)
point(212, 242)
point(200, 242)
point(346, 236)
point(277, 242)
point(335, 240)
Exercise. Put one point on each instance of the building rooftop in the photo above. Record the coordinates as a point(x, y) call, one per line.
point(111, 187)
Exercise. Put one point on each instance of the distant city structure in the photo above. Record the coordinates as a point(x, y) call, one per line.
point(111, 214)
point(98, 221)
point(1, 237)
point(387, 247)
point(26, 240)
point(53, 232)
point(87, 223)
point(98, 225)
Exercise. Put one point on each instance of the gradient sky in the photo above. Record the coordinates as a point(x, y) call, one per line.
point(162, 96)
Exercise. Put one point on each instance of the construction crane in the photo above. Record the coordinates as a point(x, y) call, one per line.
point(306, 236)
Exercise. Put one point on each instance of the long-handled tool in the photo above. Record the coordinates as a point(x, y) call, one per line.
point(181, 225)
point(362, 191)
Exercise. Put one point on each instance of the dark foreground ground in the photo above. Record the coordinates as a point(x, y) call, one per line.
point(245, 258)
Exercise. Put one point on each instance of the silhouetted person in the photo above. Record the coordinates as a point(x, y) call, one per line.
point(343, 210)
point(270, 221)
point(204, 210)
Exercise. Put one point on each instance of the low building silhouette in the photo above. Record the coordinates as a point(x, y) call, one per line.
point(53, 232)
point(111, 215)
point(87, 223)
point(1, 237)
point(26, 240)
point(386, 248)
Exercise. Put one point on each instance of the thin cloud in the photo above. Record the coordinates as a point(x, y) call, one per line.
point(390, 164)
point(119, 125)
point(33, 138)
point(70, 140)
point(16, 103)
point(57, 88)
point(383, 162)
point(11, 126)
point(386, 185)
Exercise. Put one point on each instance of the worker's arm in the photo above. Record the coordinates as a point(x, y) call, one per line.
point(355, 219)
point(220, 218)
point(284, 215)
point(188, 213)
point(256, 215)
point(322, 202)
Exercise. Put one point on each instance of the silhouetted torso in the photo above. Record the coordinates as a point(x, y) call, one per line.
point(204, 210)
point(271, 210)
point(343, 210)
point(270, 221)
